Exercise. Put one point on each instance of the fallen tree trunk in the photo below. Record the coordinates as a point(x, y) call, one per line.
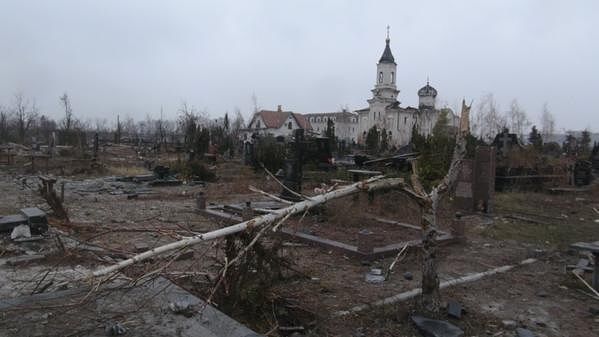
point(371, 184)
point(417, 291)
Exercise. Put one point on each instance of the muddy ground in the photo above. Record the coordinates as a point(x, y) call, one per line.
point(318, 282)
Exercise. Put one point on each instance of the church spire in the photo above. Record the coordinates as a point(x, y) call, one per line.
point(387, 56)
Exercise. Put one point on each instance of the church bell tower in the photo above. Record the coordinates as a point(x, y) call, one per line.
point(386, 72)
point(385, 91)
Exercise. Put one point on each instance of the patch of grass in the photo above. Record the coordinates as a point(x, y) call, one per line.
point(126, 170)
point(559, 219)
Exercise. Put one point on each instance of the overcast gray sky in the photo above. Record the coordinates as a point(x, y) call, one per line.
point(132, 57)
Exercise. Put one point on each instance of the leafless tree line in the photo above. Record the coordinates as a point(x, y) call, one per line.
point(21, 121)
point(488, 119)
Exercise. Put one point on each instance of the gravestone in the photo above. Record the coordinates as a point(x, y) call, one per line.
point(483, 189)
point(293, 167)
point(248, 153)
point(475, 186)
point(463, 191)
point(96, 147)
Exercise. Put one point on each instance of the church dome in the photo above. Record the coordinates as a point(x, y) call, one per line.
point(427, 90)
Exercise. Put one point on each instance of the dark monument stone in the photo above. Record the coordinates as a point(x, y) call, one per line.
point(293, 167)
point(248, 153)
point(484, 178)
point(434, 328)
point(96, 146)
point(475, 187)
point(463, 191)
point(521, 332)
point(505, 141)
point(454, 309)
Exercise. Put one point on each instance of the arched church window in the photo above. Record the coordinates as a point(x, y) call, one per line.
point(257, 124)
point(381, 77)
point(392, 77)
point(289, 126)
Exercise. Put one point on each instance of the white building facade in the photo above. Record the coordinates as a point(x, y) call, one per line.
point(345, 123)
point(385, 113)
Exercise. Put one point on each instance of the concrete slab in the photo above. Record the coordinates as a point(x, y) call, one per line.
point(142, 310)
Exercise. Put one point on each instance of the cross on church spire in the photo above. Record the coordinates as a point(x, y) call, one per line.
point(388, 32)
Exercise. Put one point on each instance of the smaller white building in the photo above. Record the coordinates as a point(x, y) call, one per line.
point(276, 123)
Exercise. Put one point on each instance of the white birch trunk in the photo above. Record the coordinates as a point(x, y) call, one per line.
point(367, 185)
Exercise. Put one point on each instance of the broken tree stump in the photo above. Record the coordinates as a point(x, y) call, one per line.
point(49, 194)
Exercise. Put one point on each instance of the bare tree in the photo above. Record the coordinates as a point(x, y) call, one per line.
point(547, 122)
point(4, 124)
point(238, 121)
point(118, 130)
point(519, 122)
point(130, 128)
point(67, 122)
point(488, 121)
point(25, 113)
point(46, 126)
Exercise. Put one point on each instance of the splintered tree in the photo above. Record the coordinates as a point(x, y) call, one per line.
point(68, 134)
point(429, 204)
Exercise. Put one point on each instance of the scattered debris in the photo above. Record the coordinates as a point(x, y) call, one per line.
point(435, 328)
point(115, 329)
point(375, 275)
point(454, 309)
point(21, 231)
point(182, 308)
point(509, 324)
point(592, 247)
point(32, 217)
point(521, 332)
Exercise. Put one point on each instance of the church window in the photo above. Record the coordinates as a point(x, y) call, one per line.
point(392, 77)
point(289, 126)
point(257, 124)
point(381, 77)
point(405, 120)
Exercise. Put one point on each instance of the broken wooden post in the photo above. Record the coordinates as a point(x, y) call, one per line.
point(62, 191)
point(457, 227)
point(247, 213)
point(200, 201)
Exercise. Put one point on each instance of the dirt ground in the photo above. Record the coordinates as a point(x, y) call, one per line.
point(543, 296)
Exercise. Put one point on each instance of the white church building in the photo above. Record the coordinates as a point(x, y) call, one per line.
point(384, 110)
